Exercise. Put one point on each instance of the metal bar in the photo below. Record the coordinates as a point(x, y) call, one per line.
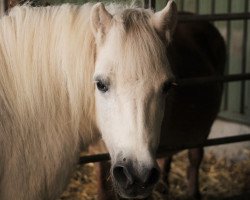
point(211, 79)
point(207, 143)
point(215, 17)
point(244, 60)
point(181, 5)
point(149, 4)
point(146, 4)
point(229, 9)
point(163, 151)
point(93, 158)
point(197, 6)
point(153, 4)
point(6, 5)
point(212, 6)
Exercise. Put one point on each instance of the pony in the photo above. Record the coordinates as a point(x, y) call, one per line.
point(69, 74)
point(197, 49)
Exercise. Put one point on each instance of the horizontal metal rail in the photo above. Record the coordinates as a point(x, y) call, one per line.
point(214, 17)
point(94, 158)
point(211, 79)
point(164, 151)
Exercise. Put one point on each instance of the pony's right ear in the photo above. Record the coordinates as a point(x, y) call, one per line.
point(100, 20)
point(165, 20)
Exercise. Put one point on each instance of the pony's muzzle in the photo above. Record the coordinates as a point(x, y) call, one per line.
point(132, 182)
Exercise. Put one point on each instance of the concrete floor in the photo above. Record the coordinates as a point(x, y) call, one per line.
point(236, 151)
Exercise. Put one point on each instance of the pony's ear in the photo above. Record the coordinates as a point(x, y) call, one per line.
point(165, 20)
point(100, 20)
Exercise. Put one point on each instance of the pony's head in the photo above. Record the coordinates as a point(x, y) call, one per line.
point(132, 79)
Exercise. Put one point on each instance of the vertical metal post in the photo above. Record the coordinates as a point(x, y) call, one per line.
point(6, 5)
point(212, 6)
point(149, 4)
point(229, 9)
point(181, 5)
point(197, 6)
point(244, 58)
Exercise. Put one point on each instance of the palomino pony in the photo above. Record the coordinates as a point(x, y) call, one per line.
point(68, 73)
point(197, 49)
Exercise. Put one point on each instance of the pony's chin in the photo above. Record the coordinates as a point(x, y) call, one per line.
point(133, 192)
point(126, 195)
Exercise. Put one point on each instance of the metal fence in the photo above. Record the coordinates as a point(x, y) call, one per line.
point(235, 25)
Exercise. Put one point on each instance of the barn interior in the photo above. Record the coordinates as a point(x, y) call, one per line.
point(225, 169)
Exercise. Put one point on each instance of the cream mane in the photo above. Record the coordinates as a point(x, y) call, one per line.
point(47, 59)
point(46, 95)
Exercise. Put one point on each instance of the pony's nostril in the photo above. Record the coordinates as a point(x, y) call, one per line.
point(153, 177)
point(122, 175)
point(127, 177)
point(119, 174)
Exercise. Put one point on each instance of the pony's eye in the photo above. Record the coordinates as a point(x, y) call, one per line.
point(166, 87)
point(101, 86)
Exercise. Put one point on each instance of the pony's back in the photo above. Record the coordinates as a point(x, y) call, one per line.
point(197, 50)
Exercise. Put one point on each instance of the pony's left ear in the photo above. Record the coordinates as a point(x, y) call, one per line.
point(165, 20)
point(100, 20)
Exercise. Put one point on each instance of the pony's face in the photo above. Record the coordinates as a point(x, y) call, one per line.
point(132, 79)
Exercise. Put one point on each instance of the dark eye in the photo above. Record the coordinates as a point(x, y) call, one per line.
point(102, 86)
point(166, 87)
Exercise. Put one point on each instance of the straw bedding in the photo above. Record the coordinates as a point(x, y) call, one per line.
point(219, 179)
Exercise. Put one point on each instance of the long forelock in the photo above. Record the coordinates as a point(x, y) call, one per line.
point(143, 51)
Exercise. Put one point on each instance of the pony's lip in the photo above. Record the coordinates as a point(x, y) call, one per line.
point(135, 191)
point(128, 194)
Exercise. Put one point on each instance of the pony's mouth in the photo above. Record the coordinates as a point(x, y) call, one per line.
point(135, 190)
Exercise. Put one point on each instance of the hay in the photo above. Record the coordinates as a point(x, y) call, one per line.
point(82, 185)
point(219, 179)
